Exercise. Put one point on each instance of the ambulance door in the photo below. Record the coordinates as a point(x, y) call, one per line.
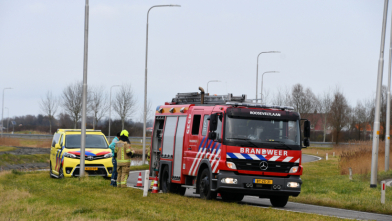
point(53, 150)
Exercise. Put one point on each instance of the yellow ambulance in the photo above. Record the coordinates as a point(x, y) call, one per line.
point(65, 154)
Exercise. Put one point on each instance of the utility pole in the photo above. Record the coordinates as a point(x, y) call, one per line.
point(388, 124)
point(376, 130)
point(85, 59)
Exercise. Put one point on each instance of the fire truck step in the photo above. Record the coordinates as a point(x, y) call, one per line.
point(189, 186)
point(214, 179)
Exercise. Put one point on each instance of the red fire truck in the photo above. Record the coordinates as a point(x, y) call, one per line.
point(228, 145)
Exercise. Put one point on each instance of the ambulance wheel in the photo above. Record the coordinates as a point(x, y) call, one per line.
point(61, 172)
point(166, 185)
point(204, 186)
point(279, 201)
point(50, 170)
point(232, 197)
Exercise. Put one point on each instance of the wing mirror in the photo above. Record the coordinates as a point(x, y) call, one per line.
point(307, 128)
point(57, 146)
point(213, 122)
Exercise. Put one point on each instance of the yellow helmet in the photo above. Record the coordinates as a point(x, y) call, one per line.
point(124, 133)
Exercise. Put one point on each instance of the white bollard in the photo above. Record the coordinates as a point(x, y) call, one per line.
point(383, 186)
point(141, 141)
point(351, 173)
point(146, 176)
point(333, 154)
point(326, 157)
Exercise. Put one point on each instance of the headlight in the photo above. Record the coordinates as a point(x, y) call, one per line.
point(108, 155)
point(231, 165)
point(69, 155)
point(293, 169)
point(293, 184)
point(229, 180)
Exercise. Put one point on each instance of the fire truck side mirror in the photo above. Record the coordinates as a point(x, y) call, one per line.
point(213, 122)
point(306, 142)
point(307, 128)
point(212, 135)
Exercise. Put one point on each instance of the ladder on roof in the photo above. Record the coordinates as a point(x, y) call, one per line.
point(195, 98)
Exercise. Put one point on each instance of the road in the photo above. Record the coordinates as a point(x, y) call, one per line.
point(296, 207)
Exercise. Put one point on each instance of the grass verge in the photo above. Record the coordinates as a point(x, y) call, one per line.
point(5, 148)
point(140, 167)
point(34, 196)
point(11, 159)
point(323, 185)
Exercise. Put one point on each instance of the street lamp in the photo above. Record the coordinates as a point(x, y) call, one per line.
point(145, 82)
point(8, 118)
point(212, 81)
point(2, 112)
point(110, 107)
point(84, 101)
point(257, 69)
point(262, 77)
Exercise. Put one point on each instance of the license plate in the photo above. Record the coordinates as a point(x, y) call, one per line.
point(91, 168)
point(262, 181)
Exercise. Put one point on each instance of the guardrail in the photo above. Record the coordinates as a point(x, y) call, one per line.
point(49, 137)
point(139, 139)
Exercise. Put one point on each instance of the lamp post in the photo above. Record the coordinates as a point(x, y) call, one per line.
point(145, 82)
point(8, 117)
point(212, 81)
point(2, 112)
point(388, 126)
point(84, 103)
point(376, 125)
point(262, 78)
point(110, 107)
point(257, 69)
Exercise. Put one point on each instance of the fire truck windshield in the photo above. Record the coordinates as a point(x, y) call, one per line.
point(280, 134)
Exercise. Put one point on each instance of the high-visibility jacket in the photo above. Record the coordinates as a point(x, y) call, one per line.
point(124, 153)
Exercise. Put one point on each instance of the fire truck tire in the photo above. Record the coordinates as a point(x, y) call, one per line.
point(232, 197)
point(204, 186)
point(167, 186)
point(279, 201)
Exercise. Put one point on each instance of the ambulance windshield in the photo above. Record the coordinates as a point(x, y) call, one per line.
point(92, 141)
point(282, 134)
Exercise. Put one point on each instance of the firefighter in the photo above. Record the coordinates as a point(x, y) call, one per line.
point(123, 155)
point(114, 161)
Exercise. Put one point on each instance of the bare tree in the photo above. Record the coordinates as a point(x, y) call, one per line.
point(49, 105)
point(303, 100)
point(281, 97)
point(339, 113)
point(72, 101)
point(124, 103)
point(324, 107)
point(99, 103)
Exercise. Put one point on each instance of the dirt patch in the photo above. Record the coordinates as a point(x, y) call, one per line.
point(27, 151)
point(25, 166)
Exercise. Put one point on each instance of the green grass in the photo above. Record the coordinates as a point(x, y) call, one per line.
point(323, 185)
point(35, 196)
point(20, 159)
point(141, 167)
point(5, 148)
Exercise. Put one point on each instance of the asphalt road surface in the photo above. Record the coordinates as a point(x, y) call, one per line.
point(296, 207)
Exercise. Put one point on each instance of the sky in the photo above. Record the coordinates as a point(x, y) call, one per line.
point(323, 44)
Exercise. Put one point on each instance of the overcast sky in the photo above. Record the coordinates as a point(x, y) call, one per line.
point(324, 44)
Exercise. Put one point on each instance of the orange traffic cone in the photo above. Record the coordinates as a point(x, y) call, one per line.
point(155, 188)
point(139, 180)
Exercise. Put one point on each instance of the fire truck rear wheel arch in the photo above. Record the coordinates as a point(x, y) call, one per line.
point(205, 163)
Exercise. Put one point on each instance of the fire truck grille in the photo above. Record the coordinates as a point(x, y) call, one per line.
point(254, 165)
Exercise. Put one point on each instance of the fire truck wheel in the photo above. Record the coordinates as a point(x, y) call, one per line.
point(204, 186)
point(232, 197)
point(165, 183)
point(279, 201)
